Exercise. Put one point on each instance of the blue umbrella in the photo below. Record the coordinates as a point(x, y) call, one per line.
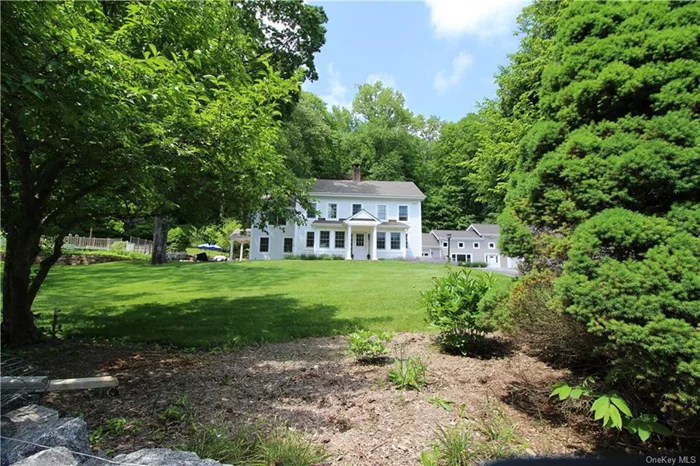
point(210, 247)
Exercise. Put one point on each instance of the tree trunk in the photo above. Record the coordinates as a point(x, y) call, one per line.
point(18, 327)
point(160, 240)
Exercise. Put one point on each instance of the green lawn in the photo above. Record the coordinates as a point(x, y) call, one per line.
point(205, 304)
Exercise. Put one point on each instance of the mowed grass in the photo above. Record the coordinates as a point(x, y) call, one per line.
point(210, 304)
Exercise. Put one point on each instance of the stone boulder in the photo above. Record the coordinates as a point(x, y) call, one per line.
point(70, 433)
point(165, 457)
point(58, 456)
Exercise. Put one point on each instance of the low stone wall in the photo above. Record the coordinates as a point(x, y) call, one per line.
point(67, 439)
point(84, 259)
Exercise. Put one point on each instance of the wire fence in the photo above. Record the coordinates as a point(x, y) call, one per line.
point(89, 242)
point(144, 246)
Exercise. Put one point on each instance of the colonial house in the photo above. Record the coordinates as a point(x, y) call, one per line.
point(478, 243)
point(353, 219)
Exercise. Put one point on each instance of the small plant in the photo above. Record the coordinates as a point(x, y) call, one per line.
point(409, 373)
point(222, 444)
point(612, 410)
point(288, 447)
point(367, 346)
point(122, 425)
point(441, 403)
point(177, 412)
point(482, 439)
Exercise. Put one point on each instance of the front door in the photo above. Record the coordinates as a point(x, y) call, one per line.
point(492, 259)
point(360, 249)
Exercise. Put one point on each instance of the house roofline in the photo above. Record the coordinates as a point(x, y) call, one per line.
point(365, 195)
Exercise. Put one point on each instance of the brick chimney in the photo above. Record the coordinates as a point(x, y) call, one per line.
point(356, 174)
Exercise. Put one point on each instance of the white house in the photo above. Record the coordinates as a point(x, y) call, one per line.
point(354, 219)
point(478, 243)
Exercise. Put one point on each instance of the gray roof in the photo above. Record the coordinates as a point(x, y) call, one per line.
point(429, 241)
point(406, 189)
point(341, 222)
point(456, 234)
point(487, 228)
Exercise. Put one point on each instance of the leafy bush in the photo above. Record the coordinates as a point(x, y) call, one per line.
point(473, 264)
point(632, 280)
point(368, 346)
point(612, 410)
point(118, 246)
point(178, 240)
point(313, 257)
point(409, 373)
point(453, 307)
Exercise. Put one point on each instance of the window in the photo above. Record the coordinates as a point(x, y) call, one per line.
point(333, 211)
point(288, 244)
point(381, 212)
point(406, 240)
point(325, 239)
point(340, 239)
point(309, 239)
point(444, 244)
point(476, 245)
point(492, 245)
point(311, 213)
point(360, 240)
point(381, 240)
point(281, 221)
point(403, 213)
point(356, 208)
point(460, 245)
point(396, 241)
point(264, 244)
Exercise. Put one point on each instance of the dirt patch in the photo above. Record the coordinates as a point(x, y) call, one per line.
point(311, 384)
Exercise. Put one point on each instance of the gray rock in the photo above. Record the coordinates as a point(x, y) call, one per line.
point(58, 456)
point(68, 432)
point(99, 462)
point(165, 457)
point(30, 416)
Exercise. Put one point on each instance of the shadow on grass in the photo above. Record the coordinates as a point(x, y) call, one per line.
point(213, 321)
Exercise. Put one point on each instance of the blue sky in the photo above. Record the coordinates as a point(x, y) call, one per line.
point(441, 54)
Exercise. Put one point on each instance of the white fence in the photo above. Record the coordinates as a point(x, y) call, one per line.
point(86, 242)
point(144, 246)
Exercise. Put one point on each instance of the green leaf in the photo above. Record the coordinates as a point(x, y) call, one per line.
point(576, 393)
point(644, 432)
point(154, 51)
point(620, 403)
point(564, 392)
point(600, 407)
point(615, 417)
point(74, 33)
point(661, 429)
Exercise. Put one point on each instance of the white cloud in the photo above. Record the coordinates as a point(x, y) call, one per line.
point(337, 93)
point(481, 18)
point(386, 79)
point(460, 65)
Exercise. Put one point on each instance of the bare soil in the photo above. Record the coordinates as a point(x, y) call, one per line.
point(313, 385)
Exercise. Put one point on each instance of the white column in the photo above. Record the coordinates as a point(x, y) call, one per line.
point(230, 251)
point(240, 254)
point(348, 244)
point(373, 245)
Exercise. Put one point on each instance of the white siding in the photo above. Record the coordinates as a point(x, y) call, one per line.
point(369, 204)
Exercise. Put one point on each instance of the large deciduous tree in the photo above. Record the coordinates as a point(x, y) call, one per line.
point(111, 107)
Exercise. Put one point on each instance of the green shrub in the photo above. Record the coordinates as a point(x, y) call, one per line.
point(409, 373)
point(473, 264)
point(633, 281)
point(368, 346)
point(118, 246)
point(288, 447)
point(178, 240)
point(453, 307)
point(535, 319)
